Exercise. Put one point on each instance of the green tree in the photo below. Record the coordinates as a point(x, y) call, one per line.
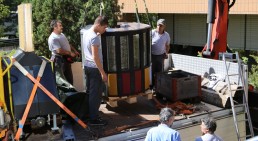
point(74, 15)
point(12, 4)
point(12, 18)
point(253, 73)
point(92, 8)
point(153, 17)
point(4, 12)
point(68, 11)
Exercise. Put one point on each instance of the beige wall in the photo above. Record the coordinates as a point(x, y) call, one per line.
point(186, 6)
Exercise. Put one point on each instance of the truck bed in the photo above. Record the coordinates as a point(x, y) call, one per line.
point(130, 116)
point(140, 112)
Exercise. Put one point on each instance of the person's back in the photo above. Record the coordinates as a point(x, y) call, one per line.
point(163, 132)
point(209, 137)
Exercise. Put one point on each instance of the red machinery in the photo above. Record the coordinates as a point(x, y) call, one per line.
point(217, 20)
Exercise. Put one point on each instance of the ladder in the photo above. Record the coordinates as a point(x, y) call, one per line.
point(235, 58)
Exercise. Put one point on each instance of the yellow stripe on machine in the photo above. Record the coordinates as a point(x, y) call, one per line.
point(112, 85)
point(147, 77)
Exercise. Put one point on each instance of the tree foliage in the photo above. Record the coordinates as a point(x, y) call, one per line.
point(4, 12)
point(74, 15)
point(253, 73)
point(153, 17)
point(92, 9)
point(12, 4)
point(44, 12)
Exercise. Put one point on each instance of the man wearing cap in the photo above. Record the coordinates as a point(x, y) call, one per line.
point(160, 47)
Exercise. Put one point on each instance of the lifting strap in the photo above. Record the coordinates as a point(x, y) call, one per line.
point(136, 12)
point(32, 95)
point(102, 7)
point(147, 13)
point(37, 84)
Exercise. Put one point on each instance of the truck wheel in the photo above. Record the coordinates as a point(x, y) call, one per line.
point(9, 136)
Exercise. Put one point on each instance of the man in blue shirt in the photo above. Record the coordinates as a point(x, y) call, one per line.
point(163, 132)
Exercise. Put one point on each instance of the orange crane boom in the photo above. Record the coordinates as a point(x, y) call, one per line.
point(217, 20)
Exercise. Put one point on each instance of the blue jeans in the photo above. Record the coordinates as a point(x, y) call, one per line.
point(94, 87)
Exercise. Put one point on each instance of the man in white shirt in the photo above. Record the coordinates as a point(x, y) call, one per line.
point(159, 48)
point(208, 127)
point(62, 51)
point(93, 67)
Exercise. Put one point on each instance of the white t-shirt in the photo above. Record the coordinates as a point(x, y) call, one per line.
point(90, 38)
point(208, 137)
point(159, 42)
point(56, 41)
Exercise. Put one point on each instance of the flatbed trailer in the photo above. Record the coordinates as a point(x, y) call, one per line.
point(145, 110)
point(187, 125)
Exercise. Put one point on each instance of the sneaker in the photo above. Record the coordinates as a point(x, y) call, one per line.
point(97, 122)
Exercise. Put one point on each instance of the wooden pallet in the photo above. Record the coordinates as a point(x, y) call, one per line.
point(112, 101)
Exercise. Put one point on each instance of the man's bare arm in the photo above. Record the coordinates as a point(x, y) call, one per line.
point(74, 50)
point(167, 48)
point(95, 55)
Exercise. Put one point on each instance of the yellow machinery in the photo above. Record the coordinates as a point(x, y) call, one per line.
point(5, 118)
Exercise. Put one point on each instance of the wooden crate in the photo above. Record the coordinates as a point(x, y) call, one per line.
point(112, 101)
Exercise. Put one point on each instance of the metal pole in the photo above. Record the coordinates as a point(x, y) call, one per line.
point(54, 123)
point(210, 21)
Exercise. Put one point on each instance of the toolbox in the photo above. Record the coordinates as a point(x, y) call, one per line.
point(178, 85)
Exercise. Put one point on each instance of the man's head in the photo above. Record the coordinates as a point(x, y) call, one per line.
point(101, 24)
point(208, 125)
point(56, 26)
point(167, 116)
point(161, 24)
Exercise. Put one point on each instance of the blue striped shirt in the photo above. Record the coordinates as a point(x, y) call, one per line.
point(162, 133)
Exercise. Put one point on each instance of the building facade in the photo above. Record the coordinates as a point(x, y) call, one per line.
point(186, 21)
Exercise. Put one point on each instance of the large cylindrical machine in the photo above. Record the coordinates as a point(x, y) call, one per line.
point(126, 58)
